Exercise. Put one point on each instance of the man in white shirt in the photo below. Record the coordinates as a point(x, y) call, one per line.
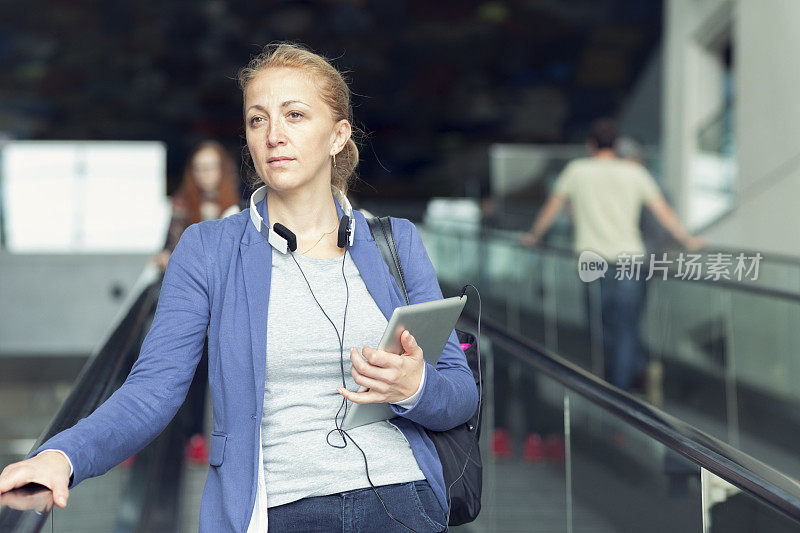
point(607, 195)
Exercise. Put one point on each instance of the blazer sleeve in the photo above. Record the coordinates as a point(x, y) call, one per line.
point(158, 382)
point(449, 396)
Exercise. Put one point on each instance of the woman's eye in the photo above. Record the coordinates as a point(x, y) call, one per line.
point(295, 114)
point(255, 120)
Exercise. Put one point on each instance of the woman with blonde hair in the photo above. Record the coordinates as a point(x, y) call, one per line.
point(283, 287)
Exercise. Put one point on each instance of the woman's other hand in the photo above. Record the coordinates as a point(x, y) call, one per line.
point(48, 468)
point(388, 377)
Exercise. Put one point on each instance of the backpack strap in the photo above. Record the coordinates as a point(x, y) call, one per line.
point(381, 229)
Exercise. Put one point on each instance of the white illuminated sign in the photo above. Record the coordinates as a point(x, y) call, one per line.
point(84, 197)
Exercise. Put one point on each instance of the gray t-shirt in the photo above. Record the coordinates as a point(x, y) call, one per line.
point(303, 372)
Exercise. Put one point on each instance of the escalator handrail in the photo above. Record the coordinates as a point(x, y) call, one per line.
point(567, 253)
point(772, 257)
point(772, 487)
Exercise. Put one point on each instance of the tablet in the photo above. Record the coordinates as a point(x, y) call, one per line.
point(431, 324)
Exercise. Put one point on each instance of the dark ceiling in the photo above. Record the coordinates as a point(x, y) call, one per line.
point(435, 83)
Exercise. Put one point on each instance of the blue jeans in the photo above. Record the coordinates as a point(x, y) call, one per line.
point(360, 510)
point(621, 303)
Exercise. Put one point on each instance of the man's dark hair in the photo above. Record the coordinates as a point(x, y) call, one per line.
point(603, 133)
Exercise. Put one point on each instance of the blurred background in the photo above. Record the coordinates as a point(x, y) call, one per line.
point(112, 113)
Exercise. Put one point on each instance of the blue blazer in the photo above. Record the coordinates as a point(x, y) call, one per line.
point(218, 279)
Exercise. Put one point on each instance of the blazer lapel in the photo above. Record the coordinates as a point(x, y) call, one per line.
point(256, 255)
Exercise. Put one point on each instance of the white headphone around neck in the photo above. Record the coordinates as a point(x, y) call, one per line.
point(283, 240)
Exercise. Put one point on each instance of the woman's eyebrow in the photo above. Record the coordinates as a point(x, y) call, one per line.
point(284, 104)
point(289, 102)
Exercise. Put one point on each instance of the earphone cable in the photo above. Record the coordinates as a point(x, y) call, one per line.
point(340, 338)
point(338, 429)
point(480, 398)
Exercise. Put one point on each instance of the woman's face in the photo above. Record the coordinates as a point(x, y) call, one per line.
point(207, 169)
point(291, 133)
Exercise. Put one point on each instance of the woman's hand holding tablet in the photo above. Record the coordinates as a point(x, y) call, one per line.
point(387, 377)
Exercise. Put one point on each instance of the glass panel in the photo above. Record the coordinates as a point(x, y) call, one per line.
point(573, 318)
point(523, 450)
point(155, 490)
point(531, 292)
point(748, 267)
point(720, 358)
point(686, 335)
point(764, 336)
point(727, 509)
point(703, 341)
point(628, 478)
point(97, 505)
point(31, 394)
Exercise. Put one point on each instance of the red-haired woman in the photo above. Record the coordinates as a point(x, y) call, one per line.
point(209, 190)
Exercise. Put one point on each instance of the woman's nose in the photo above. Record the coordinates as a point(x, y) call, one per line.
point(276, 135)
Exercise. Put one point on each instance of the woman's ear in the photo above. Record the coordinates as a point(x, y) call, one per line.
point(342, 132)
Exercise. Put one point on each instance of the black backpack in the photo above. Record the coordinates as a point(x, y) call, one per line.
point(457, 445)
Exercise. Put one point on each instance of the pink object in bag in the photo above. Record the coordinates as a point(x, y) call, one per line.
point(464, 346)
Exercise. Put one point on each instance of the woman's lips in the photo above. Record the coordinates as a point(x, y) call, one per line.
point(279, 162)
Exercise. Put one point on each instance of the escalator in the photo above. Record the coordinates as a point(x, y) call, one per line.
point(145, 492)
point(725, 350)
point(613, 461)
point(626, 465)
